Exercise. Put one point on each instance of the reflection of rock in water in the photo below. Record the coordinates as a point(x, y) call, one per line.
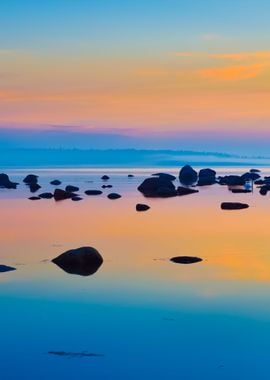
point(83, 354)
point(5, 268)
point(83, 261)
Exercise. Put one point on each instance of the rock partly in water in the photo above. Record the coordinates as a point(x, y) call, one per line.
point(34, 187)
point(157, 187)
point(264, 189)
point(55, 182)
point(233, 206)
point(76, 198)
point(60, 195)
point(6, 268)
point(46, 195)
point(142, 207)
point(34, 198)
point(31, 179)
point(130, 175)
point(188, 175)
point(185, 259)
point(255, 171)
point(105, 177)
point(232, 180)
point(93, 192)
point(114, 196)
point(240, 191)
point(207, 177)
point(106, 186)
point(83, 261)
point(186, 190)
point(6, 183)
point(71, 189)
point(250, 176)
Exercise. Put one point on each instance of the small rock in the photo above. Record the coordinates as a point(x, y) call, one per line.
point(34, 187)
point(105, 177)
point(60, 195)
point(233, 206)
point(5, 268)
point(130, 175)
point(114, 196)
point(142, 207)
point(239, 191)
point(185, 259)
point(186, 190)
point(6, 183)
point(188, 175)
point(71, 189)
point(31, 179)
point(93, 192)
point(46, 195)
point(34, 198)
point(55, 182)
point(76, 199)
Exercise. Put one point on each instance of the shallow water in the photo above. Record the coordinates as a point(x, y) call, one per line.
point(147, 317)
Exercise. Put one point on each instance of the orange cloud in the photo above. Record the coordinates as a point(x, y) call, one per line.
point(231, 73)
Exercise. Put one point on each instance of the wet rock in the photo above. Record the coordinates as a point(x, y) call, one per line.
point(157, 187)
point(114, 196)
point(186, 190)
point(233, 206)
point(188, 175)
point(165, 176)
point(232, 180)
point(93, 192)
point(71, 189)
point(185, 259)
point(34, 198)
point(6, 183)
point(46, 195)
point(31, 179)
point(34, 187)
point(105, 177)
point(55, 182)
point(207, 177)
point(60, 195)
point(6, 268)
point(83, 261)
point(76, 199)
point(142, 207)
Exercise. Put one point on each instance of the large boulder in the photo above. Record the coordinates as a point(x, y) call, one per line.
point(83, 261)
point(6, 183)
point(207, 177)
point(188, 175)
point(157, 187)
point(233, 206)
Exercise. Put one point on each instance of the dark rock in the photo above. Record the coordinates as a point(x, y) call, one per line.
point(142, 207)
point(250, 176)
point(83, 261)
point(6, 183)
point(93, 192)
point(130, 175)
point(186, 190)
point(34, 198)
point(55, 182)
point(260, 182)
point(165, 176)
point(71, 189)
point(185, 259)
point(232, 180)
point(60, 195)
point(188, 175)
point(31, 179)
point(114, 196)
point(34, 187)
point(46, 195)
point(157, 187)
point(240, 191)
point(5, 268)
point(106, 186)
point(76, 199)
point(206, 177)
point(105, 177)
point(255, 171)
point(233, 206)
point(264, 189)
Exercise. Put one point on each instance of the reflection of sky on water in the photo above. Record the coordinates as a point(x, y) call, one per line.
point(149, 317)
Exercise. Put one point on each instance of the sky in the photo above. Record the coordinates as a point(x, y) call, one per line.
point(154, 73)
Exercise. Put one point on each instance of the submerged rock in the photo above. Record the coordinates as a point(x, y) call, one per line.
point(185, 259)
point(93, 192)
point(186, 190)
point(71, 189)
point(6, 268)
point(60, 195)
point(83, 261)
point(55, 182)
point(157, 187)
point(114, 196)
point(188, 175)
point(233, 206)
point(6, 183)
point(142, 207)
